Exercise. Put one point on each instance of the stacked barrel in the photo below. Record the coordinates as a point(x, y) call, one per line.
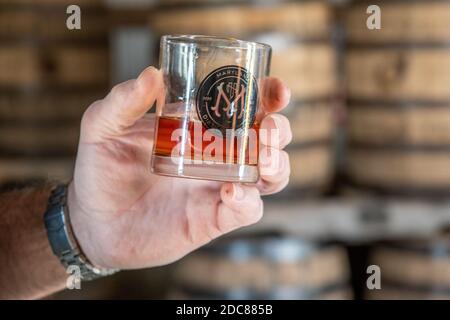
point(303, 55)
point(399, 99)
point(267, 268)
point(49, 76)
point(413, 269)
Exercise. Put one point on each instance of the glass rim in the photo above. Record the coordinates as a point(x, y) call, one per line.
point(227, 41)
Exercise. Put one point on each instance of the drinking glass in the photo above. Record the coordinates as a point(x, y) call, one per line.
point(207, 127)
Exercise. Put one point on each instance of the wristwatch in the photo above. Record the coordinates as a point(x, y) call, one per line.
point(62, 239)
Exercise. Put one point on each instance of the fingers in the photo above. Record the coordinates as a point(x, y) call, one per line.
point(274, 170)
point(276, 95)
point(126, 103)
point(275, 131)
point(241, 206)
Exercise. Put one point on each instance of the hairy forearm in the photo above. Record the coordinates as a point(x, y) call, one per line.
point(28, 268)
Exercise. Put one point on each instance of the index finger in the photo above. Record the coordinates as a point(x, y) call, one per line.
point(275, 95)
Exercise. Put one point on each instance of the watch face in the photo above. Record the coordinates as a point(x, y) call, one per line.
point(227, 99)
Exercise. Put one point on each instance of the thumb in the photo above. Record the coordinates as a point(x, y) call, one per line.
point(126, 103)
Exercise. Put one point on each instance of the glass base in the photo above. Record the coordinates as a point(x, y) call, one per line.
point(175, 167)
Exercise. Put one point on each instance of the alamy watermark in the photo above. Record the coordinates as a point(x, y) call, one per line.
point(73, 21)
point(74, 279)
point(373, 22)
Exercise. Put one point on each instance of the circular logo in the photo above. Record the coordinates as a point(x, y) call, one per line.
point(227, 99)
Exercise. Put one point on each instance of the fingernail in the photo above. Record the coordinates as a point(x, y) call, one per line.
point(289, 94)
point(145, 71)
point(238, 193)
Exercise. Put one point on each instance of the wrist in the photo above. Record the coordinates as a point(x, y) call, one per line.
point(80, 228)
point(64, 242)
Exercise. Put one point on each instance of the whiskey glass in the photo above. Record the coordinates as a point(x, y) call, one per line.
point(207, 127)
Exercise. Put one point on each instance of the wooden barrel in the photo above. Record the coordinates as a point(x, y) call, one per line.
point(50, 75)
point(45, 106)
point(311, 121)
point(303, 18)
point(398, 98)
point(413, 270)
point(264, 268)
point(308, 67)
point(59, 65)
point(48, 22)
point(417, 74)
point(311, 169)
point(303, 55)
point(14, 169)
point(402, 21)
point(52, 3)
point(36, 140)
point(401, 124)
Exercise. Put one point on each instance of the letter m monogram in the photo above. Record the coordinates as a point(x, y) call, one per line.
point(231, 105)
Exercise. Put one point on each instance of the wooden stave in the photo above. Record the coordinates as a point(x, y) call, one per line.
point(311, 120)
point(25, 65)
point(45, 24)
point(29, 140)
point(20, 169)
point(396, 74)
point(311, 166)
point(414, 270)
point(337, 292)
point(412, 126)
point(403, 171)
point(200, 273)
point(402, 21)
point(394, 293)
point(404, 43)
point(46, 107)
point(246, 19)
point(309, 70)
point(52, 3)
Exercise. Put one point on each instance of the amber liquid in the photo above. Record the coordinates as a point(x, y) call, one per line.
point(234, 150)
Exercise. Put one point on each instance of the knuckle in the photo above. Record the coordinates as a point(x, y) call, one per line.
point(119, 92)
point(89, 115)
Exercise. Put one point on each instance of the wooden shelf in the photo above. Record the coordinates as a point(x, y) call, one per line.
point(353, 220)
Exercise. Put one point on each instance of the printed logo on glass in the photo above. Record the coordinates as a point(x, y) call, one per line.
point(227, 99)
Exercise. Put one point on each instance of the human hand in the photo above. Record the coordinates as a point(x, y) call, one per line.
point(123, 216)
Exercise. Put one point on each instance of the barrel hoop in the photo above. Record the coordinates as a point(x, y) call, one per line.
point(167, 7)
point(298, 191)
point(293, 39)
point(244, 293)
point(403, 148)
point(44, 154)
point(435, 249)
point(437, 193)
point(30, 90)
point(254, 250)
point(38, 42)
point(398, 45)
point(14, 185)
point(388, 2)
point(299, 102)
point(52, 8)
point(397, 104)
point(295, 146)
point(419, 288)
point(38, 124)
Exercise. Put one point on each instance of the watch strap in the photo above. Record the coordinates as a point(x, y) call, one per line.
point(62, 239)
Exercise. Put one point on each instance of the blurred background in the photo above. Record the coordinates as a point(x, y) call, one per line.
point(370, 159)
